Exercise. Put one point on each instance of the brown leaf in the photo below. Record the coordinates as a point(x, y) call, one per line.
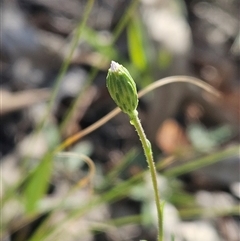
point(171, 137)
point(22, 99)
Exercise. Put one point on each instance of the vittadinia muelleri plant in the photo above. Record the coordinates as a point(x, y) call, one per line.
point(123, 91)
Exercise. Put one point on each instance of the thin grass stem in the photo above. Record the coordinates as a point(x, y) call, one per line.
point(159, 83)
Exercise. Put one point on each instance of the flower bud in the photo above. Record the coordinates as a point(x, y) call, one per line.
point(122, 88)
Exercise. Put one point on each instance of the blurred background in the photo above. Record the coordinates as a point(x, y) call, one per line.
point(54, 61)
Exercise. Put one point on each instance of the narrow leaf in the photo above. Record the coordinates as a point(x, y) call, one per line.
point(37, 183)
point(136, 44)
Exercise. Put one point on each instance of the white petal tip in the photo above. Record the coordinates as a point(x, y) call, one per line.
point(114, 66)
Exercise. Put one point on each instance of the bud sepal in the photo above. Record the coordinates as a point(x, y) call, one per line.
point(122, 88)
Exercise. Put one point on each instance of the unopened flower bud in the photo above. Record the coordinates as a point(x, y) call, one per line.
point(122, 88)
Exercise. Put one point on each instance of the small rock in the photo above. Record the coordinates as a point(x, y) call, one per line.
point(235, 189)
point(198, 231)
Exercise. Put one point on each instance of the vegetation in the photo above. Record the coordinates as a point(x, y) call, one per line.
point(48, 219)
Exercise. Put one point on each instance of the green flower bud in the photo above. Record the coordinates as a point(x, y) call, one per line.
point(122, 88)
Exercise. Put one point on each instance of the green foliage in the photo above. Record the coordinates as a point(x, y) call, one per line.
point(201, 162)
point(164, 59)
point(136, 44)
point(206, 140)
point(37, 183)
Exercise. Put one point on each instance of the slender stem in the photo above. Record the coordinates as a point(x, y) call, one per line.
point(67, 61)
point(149, 156)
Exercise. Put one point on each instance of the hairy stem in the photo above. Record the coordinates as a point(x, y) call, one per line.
point(134, 120)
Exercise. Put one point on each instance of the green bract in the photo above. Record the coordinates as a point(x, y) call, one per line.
point(122, 88)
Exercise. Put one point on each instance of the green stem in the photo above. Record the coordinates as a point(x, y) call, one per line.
point(135, 121)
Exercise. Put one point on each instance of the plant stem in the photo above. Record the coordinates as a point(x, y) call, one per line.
point(135, 121)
